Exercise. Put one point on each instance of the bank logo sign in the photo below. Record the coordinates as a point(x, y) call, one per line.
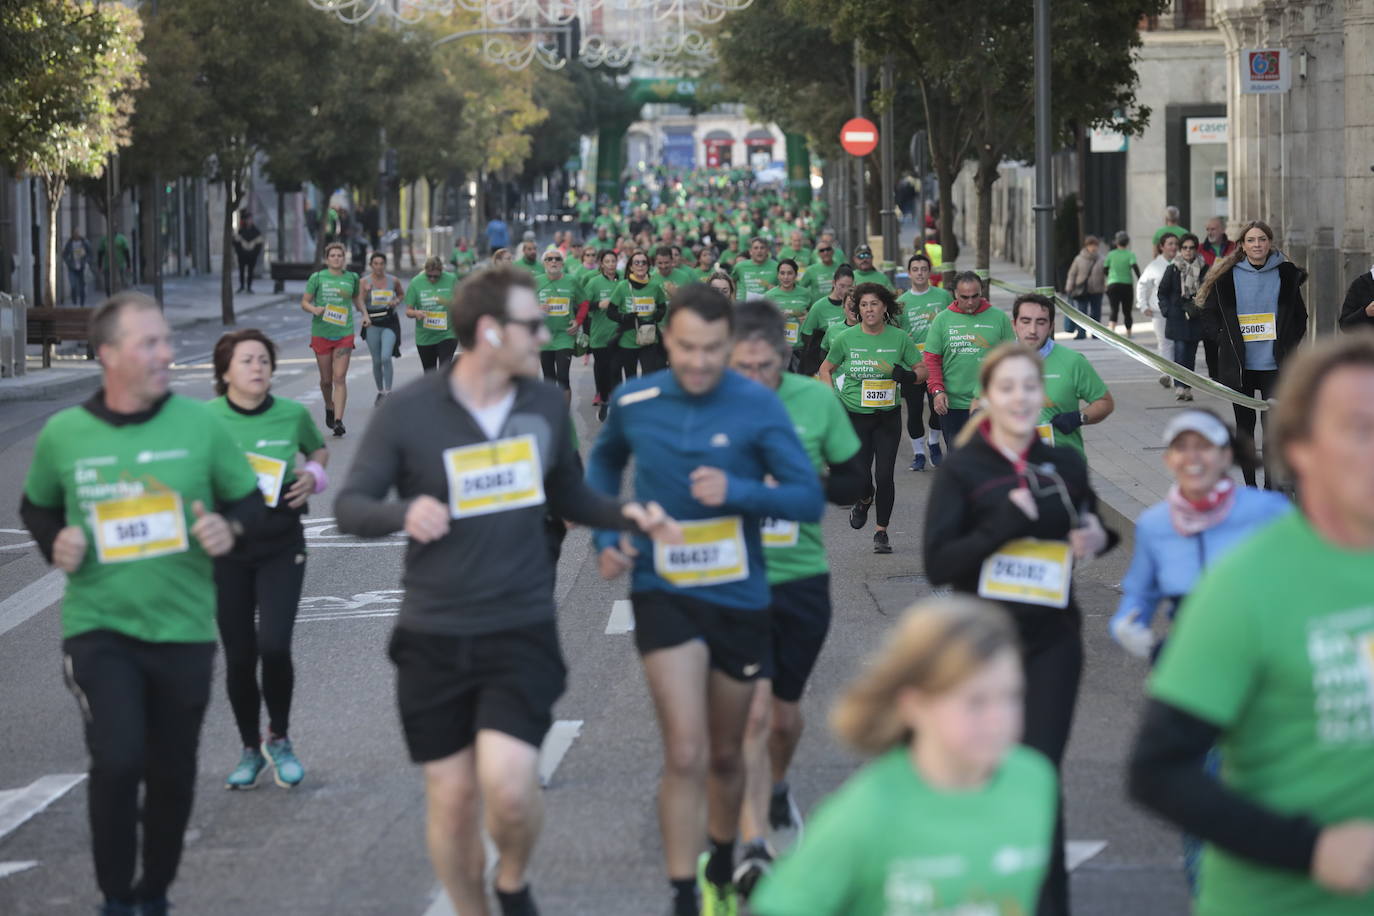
point(1265, 70)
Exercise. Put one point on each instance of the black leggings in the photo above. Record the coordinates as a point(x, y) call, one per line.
point(913, 395)
point(247, 267)
point(143, 704)
point(435, 356)
point(630, 363)
point(880, 433)
point(1121, 298)
point(270, 589)
point(605, 369)
point(653, 357)
point(557, 366)
point(1260, 383)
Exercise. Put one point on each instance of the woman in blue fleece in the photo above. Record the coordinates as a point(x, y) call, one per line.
point(1204, 515)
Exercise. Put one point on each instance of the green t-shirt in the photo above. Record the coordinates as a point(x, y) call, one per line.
point(647, 302)
point(1119, 262)
point(796, 550)
point(1069, 379)
point(595, 287)
point(677, 278)
point(1275, 646)
point(824, 314)
point(795, 303)
point(586, 210)
point(334, 293)
point(559, 299)
point(887, 844)
point(1165, 230)
point(132, 489)
point(962, 341)
point(271, 437)
point(820, 277)
point(753, 279)
point(433, 299)
point(534, 267)
point(920, 309)
point(463, 261)
point(804, 257)
point(866, 361)
point(872, 276)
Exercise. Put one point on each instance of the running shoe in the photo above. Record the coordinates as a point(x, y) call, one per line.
point(936, 455)
point(918, 463)
point(329, 417)
point(1165, 381)
point(339, 430)
point(286, 769)
point(601, 412)
point(783, 812)
point(858, 515)
point(715, 899)
point(880, 543)
point(757, 863)
point(381, 396)
point(245, 775)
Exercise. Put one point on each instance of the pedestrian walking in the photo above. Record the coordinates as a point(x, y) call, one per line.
point(1086, 283)
point(1147, 294)
point(76, 254)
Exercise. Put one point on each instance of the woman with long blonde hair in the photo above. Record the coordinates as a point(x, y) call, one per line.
point(940, 710)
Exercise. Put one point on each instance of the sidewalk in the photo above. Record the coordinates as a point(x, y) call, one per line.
point(187, 301)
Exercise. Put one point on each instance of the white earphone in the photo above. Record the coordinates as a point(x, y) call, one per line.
point(493, 338)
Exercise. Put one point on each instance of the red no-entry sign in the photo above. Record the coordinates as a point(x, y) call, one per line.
point(859, 136)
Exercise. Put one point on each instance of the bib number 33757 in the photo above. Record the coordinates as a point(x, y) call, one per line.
point(494, 476)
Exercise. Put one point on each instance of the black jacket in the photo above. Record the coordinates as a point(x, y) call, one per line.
point(1181, 318)
point(1221, 324)
point(1360, 294)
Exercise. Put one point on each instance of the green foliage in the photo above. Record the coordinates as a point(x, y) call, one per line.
point(578, 100)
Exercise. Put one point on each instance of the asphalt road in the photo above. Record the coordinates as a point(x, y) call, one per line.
point(349, 840)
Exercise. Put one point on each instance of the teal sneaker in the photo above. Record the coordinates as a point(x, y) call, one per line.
point(286, 769)
point(716, 900)
point(245, 775)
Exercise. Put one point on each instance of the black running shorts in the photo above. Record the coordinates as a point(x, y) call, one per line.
point(800, 618)
point(449, 688)
point(736, 638)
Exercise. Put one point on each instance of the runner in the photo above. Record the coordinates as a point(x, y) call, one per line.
point(259, 582)
point(427, 301)
point(559, 298)
point(795, 302)
point(951, 816)
point(864, 272)
point(825, 313)
point(799, 576)
point(920, 304)
point(338, 292)
point(957, 342)
point(1008, 514)
point(478, 664)
point(827, 239)
point(874, 356)
point(501, 257)
point(598, 287)
point(463, 258)
point(820, 273)
point(754, 276)
point(797, 250)
point(723, 283)
point(637, 305)
point(1070, 380)
point(529, 258)
point(706, 263)
point(381, 291)
point(1267, 660)
point(131, 494)
point(700, 614)
point(1121, 265)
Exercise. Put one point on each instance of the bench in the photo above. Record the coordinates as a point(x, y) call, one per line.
point(301, 270)
point(48, 326)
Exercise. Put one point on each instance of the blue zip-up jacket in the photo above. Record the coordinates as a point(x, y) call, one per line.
point(741, 428)
point(1167, 565)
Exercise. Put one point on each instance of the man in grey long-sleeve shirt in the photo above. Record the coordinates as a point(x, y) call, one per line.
point(474, 455)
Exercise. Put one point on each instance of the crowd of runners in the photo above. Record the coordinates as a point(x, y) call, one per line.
point(749, 372)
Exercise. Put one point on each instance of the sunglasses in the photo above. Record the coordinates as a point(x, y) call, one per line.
point(533, 325)
point(552, 260)
point(825, 249)
point(1190, 248)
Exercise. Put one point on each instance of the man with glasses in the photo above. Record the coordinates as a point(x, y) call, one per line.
point(562, 301)
point(956, 344)
point(864, 271)
point(819, 275)
point(477, 455)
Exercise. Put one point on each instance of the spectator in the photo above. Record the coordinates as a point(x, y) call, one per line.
point(1121, 268)
point(1086, 283)
point(1171, 224)
point(1147, 294)
point(121, 260)
point(1217, 244)
point(1358, 310)
point(248, 245)
point(1182, 323)
point(76, 254)
point(498, 234)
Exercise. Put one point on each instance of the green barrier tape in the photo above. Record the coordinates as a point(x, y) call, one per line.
point(1141, 355)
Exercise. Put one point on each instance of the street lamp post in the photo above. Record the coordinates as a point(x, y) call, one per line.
point(860, 228)
point(1044, 191)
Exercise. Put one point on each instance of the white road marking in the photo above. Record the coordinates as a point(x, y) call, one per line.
point(21, 545)
point(18, 805)
point(31, 599)
point(1076, 852)
point(322, 532)
point(622, 617)
point(14, 868)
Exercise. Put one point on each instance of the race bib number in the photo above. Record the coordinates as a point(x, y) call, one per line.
point(1029, 571)
point(335, 315)
point(1046, 433)
point(558, 308)
point(494, 477)
point(1258, 326)
point(792, 331)
point(643, 305)
point(920, 347)
point(138, 527)
point(712, 552)
point(878, 392)
point(435, 321)
point(271, 473)
point(780, 532)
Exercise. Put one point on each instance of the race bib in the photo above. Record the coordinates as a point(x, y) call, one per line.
point(336, 315)
point(381, 298)
point(780, 532)
point(1029, 571)
point(920, 347)
point(1258, 326)
point(878, 392)
point(712, 552)
point(643, 305)
point(792, 331)
point(1046, 433)
point(558, 308)
point(271, 473)
point(138, 527)
point(435, 321)
point(494, 477)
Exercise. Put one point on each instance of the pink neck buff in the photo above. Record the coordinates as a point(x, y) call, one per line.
point(1190, 517)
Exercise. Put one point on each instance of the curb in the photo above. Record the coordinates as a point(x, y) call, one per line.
point(1117, 509)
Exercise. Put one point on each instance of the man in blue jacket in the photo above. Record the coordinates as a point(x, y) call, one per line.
point(704, 441)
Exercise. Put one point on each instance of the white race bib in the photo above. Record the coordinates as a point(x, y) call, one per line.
point(780, 532)
point(1029, 571)
point(494, 477)
point(271, 473)
point(138, 527)
point(878, 392)
point(1258, 326)
point(435, 321)
point(643, 305)
point(712, 552)
point(336, 315)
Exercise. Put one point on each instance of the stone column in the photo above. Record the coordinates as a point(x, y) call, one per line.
point(1359, 139)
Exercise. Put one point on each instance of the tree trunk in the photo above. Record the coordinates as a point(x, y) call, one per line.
point(945, 176)
point(984, 178)
point(232, 197)
point(1081, 147)
point(53, 189)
